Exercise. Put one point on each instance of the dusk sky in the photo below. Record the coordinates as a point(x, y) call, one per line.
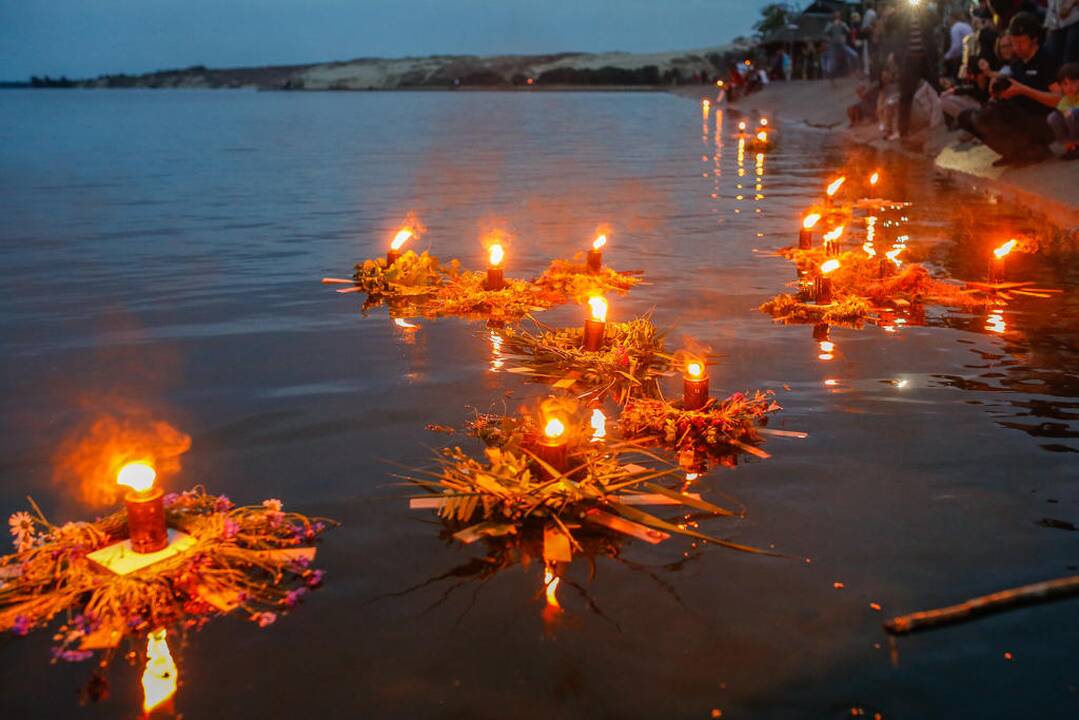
point(82, 38)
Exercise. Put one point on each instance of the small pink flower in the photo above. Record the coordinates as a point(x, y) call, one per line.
point(265, 619)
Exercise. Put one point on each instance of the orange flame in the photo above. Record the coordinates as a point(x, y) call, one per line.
point(695, 369)
point(599, 242)
point(762, 136)
point(138, 476)
point(829, 266)
point(827, 346)
point(94, 455)
point(400, 238)
point(599, 424)
point(869, 249)
point(764, 121)
point(834, 187)
point(159, 677)
point(598, 305)
point(893, 255)
point(810, 220)
point(1006, 248)
point(554, 429)
point(495, 254)
point(402, 323)
point(742, 125)
point(835, 234)
point(874, 178)
point(551, 581)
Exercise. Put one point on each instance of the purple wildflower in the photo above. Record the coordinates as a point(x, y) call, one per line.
point(293, 597)
point(71, 655)
point(171, 499)
point(231, 529)
point(315, 578)
point(21, 626)
point(223, 504)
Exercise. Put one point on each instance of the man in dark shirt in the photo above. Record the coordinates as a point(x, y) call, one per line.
point(1014, 123)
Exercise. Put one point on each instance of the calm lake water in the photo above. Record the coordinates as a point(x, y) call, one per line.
point(164, 249)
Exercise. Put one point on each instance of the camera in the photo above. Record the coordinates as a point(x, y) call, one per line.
point(1000, 85)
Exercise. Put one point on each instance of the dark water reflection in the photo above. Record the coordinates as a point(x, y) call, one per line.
point(164, 248)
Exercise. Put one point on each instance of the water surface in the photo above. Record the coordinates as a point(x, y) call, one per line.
point(163, 250)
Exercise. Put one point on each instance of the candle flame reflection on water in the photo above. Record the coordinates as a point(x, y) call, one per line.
point(160, 676)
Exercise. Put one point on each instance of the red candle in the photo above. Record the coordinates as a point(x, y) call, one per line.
point(395, 246)
point(694, 386)
point(805, 235)
point(145, 506)
point(595, 326)
point(996, 265)
point(495, 280)
point(824, 281)
point(551, 448)
point(595, 255)
point(831, 241)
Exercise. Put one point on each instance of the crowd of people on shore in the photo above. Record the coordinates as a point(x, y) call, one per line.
point(1002, 72)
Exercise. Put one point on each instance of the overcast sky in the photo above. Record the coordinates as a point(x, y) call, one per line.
point(81, 38)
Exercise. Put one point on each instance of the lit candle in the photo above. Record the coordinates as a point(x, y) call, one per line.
point(831, 241)
point(833, 189)
point(551, 448)
point(595, 326)
point(145, 506)
point(694, 386)
point(824, 282)
point(399, 240)
point(742, 128)
point(874, 178)
point(495, 280)
point(805, 235)
point(595, 255)
point(996, 265)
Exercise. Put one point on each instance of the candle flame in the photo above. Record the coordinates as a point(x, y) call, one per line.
point(695, 369)
point(893, 255)
point(1006, 248)
point(835, 234)
point(764, 121)
point(599, 424)
point(762, 136)
point(554, 429)
point(869, 249)
point(598, 305)
point(874, 178)
point(138, 476)
point(159, 677)
point(400, 238)
point(742, 125)
point(834, 187)
point(599, 242)
point(402, 323)
point(829, 266)
point(550, 581)
point(810, 220)
point(495, 254)
point(827, 346)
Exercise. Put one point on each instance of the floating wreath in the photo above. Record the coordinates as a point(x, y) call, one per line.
point(846, 310)
point(576, 283)
point(629, 363)
point(254, 560)
point(411, 275)
point(718, 428)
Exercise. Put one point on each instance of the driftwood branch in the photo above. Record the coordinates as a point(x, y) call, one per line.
point(985, 605)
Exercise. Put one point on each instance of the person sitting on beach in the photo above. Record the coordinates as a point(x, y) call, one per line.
point(1064, 120)
point(1014, 124)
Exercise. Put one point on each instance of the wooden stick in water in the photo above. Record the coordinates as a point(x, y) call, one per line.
point(338, 281)
point(985, 605)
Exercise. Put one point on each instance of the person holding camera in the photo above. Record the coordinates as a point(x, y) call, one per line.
point(1014, 123)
